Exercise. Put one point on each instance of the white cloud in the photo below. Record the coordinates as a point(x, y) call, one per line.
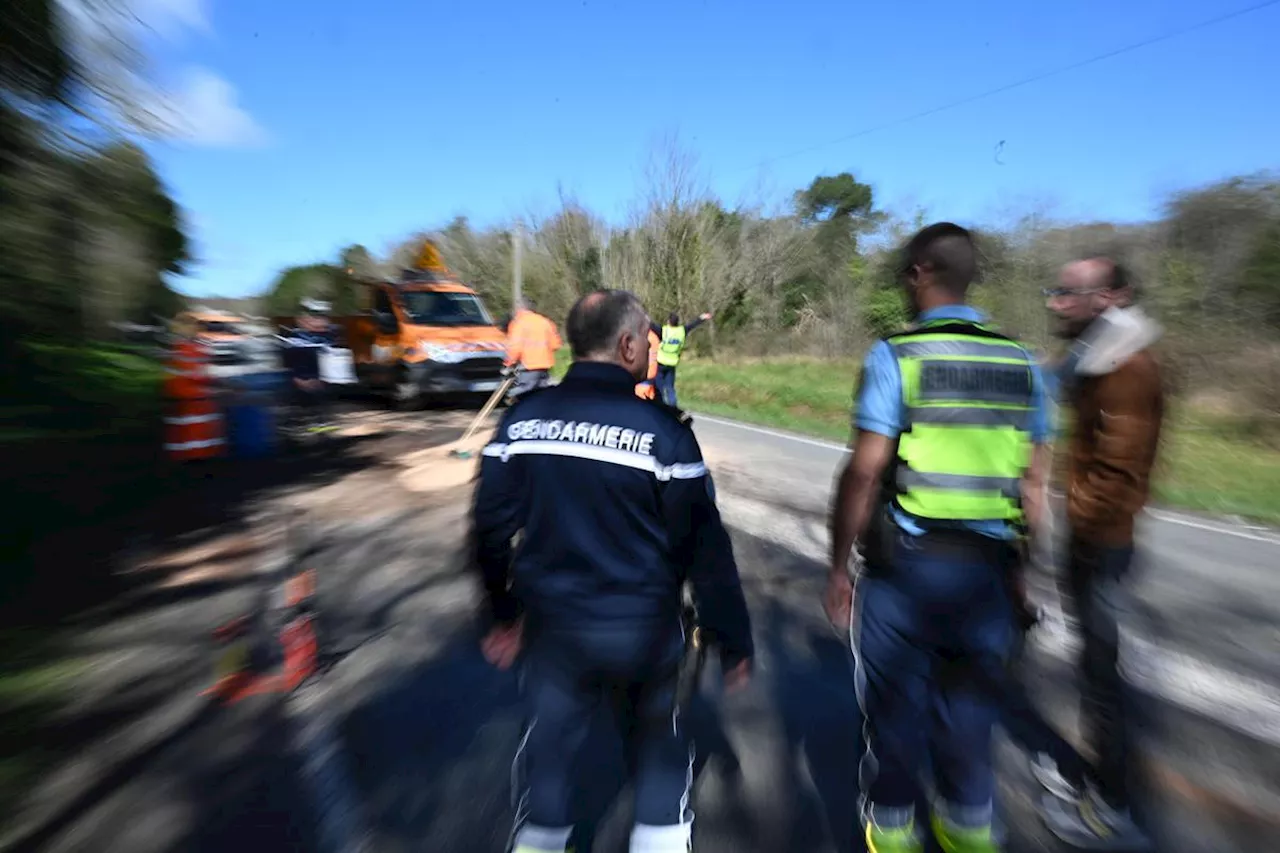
point(204, 111)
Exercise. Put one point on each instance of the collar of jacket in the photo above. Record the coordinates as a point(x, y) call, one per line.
point(965, 313)
point(598, 374)
point(1112, 339)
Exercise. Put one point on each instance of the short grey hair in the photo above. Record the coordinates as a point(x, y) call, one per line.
point(600, 317)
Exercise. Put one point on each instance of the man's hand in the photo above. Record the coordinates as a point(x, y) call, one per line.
point(838, 600)
point(501, 646)
point(706, 315)
point(738, 676)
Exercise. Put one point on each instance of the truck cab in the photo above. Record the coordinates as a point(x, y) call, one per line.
point(221, 333)
point(424, 335)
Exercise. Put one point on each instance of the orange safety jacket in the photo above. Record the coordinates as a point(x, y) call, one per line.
point(645, 390)
point(532, 340)
point(187, 372)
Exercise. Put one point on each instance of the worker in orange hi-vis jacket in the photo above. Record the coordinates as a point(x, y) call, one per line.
point(532, 341)
point(193, 420)
point(646, 390)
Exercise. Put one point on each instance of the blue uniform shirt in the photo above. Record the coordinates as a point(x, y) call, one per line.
point(617, 509)
point(881, 409)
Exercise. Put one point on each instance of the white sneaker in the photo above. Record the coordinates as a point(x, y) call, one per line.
point(1045, 769)
point(1088, 823)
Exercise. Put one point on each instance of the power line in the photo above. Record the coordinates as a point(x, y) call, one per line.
point(1026, 81)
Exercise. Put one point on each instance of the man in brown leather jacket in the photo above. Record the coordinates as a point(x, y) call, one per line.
point(1111, 384)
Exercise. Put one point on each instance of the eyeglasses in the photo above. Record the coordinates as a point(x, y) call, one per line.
point(1054, 292)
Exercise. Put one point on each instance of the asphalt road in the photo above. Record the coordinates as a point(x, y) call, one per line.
point(405, 743)
point(432, 735)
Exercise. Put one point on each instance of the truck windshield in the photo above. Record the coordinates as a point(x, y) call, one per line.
point(219, 327)
point(436, 308)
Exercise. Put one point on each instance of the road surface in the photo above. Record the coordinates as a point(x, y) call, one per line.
point(406, 742)
point(435, 740)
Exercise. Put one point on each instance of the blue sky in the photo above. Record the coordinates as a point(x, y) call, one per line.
point(312, 124)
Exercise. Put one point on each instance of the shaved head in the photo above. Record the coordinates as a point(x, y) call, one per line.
point(946, 251)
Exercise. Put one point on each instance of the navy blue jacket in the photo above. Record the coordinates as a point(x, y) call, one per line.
point(301, 352)
point(617, 509)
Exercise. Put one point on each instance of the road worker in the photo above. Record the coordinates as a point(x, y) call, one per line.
point(948, 457)
point(194, 425)
point(615, 510)
point(672, 340)
point(646, 390)
point(532, 341)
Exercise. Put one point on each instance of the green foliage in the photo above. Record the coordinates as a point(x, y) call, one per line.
point(821, 279)
point(35, 63)
point(840, 207)
point(837, 197)
point(885, 312)
point(1260, 278)
point(124, 180)
point(355, 264)
point(312, 281)
point(588, 272)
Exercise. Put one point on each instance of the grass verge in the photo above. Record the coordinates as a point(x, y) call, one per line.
point(79, 438)
point(1210, 462)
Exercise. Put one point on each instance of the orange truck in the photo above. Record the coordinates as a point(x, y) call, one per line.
point(425, 335)
point(422, 335)
point(219, 332)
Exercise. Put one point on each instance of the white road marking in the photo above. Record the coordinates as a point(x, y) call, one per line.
point(1165, 516)
point(1242, 703)
point(1171, 518)
point(816, 442)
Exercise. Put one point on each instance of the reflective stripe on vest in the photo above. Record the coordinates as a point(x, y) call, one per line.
point(186, 371)
point(672, 344)
point(193, 429)
point(966, 442)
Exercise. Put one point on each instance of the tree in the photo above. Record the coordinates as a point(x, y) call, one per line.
point(294, 284)
point(355, 264)
point(841, 208)
point(1260, 277)
point(355, 260)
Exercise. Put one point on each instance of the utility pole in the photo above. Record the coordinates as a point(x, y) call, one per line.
point(517, 238)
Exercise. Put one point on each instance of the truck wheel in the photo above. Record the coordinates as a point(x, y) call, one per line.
point(404, 393)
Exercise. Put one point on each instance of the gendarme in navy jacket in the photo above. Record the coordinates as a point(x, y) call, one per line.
point(617, 510)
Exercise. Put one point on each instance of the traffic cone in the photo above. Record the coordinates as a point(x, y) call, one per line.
point(233, 668)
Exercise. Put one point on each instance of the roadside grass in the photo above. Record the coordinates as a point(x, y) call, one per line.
point(801, 395)
point(79, 437)
point(1210, 462)
point(81, 392)
point(1220, 464)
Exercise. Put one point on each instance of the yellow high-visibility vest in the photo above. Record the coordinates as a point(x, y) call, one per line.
point(969, 401)
point(672, 345)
